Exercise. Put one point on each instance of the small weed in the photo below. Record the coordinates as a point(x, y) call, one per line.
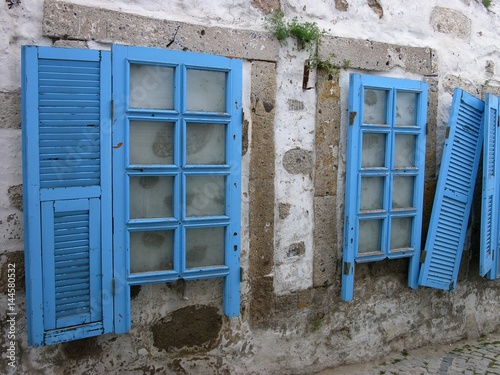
point(381, 373)
point(308, 34)
point(486, 3)
point(405, 353)
point(277, 26)
point(394, 361)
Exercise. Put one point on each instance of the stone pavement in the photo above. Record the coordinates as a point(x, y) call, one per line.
point(479, 357)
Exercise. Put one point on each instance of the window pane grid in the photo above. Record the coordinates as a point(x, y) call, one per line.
point(395, 150)
point(196, 151)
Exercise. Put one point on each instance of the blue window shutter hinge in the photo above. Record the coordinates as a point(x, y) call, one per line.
point(347, 268)
point(423, 255)
point(352, 116)
point(447, 132)
point(241, 274)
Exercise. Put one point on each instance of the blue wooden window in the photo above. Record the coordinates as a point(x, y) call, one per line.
point(454, 190)
point(176, 172)
point(173, 209)
point(490, 210)
point(384, 173)
point(67, 193)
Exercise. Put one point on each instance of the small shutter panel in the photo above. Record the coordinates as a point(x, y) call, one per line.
point(452, 202)
point(488, 218)
point(66, 152)
point(491, 181)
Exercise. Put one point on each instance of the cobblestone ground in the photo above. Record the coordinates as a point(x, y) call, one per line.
point(478, 357)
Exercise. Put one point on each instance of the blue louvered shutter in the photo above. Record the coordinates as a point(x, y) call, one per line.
point(67, 193)
point(455, 187)
point(491, 190)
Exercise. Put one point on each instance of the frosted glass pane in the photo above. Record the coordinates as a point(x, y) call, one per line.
point(375, 106)
point(373, 150)
point(205, 195)
point(401, 228)
point(151, 142)
point(206, 91)
point(372, 193)
point(151, 86)
point(402, 192)
point(370, 236)
point(151, 197)
point(406, 104)
point(151, 251)
point(206, 143)
point(205, 247)
point(404, 151)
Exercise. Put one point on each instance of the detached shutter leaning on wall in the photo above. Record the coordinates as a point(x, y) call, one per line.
point(455, 187)
point(491, 190)
point(67, 193)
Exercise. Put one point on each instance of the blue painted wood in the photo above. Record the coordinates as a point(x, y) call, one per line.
point(123, 170)
point(354, 174)
point(489, 233)
point(490, 210)
point(65, 167)
point(453, 199)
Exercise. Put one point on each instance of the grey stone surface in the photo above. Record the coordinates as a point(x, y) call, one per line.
point(376, 7)
point(450, 82)
point(72, 21)
point(10, 109)
point(479, 357)
point(341, 5)
point(261, 189)
point(369, 55)
point(449, 21)
point(297, 161)
point(325, 241)
point(267, 6)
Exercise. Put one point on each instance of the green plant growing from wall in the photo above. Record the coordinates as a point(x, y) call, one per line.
point(308, 35)
point(486, 3)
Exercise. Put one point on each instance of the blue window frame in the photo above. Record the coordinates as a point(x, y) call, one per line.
point(183, 153)
point(490, 209)
point(152, 196)
point(454, 193)
point(384, 173)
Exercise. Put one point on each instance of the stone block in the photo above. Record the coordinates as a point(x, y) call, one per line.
point(449, 21)
point(328, 122)
point(267, 6)
point(298, 161)
point(325, 241)
point(369, 55)
point(78, 22)
point(10, 109)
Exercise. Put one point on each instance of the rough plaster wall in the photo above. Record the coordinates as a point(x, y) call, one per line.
point(292, 318)
point(294, 139)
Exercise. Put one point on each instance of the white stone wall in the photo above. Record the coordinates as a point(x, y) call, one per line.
point(464, 35)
